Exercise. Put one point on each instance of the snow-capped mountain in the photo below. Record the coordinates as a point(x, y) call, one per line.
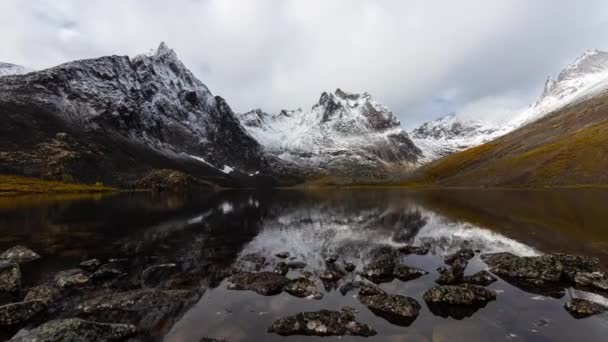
point(150, 108)
point(346, 134)
point(7, 69)
point(585, 77)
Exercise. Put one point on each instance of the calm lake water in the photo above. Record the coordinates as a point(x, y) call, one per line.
point(213, 230)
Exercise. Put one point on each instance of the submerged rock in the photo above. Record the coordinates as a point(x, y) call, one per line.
point(381, 269)
point(331, 275)
point(283, 255)
point(250, 262)
point(397, 309)
point(418, 250)
point(457, 301)
point(10, 277)
point(105, 272)
point(405, 273)
point(43, 293)
point(281, 268)
point(303, 286)
point(321, 323)
point(349, 267)
point(355, 283)
point(463, 254)
point(582, 308)
point(76, 330)
point(537, 270)
point(147, 309)
point(296, 264)
point(482, 278)
point(19, 254)
point(331, 258)
point(71, 278)
point(19, 313)
point(264, 283)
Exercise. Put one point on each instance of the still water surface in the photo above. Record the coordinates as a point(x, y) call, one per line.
point(213, 230)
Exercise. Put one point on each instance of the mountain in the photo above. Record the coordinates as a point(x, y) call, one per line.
point(585, 77)
point(351, 137)
point(115, 119)
point(564, 148)
point(7, 69)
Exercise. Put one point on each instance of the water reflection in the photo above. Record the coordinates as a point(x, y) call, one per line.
point(205, 234)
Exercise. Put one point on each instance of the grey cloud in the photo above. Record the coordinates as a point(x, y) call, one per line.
point(422, 59)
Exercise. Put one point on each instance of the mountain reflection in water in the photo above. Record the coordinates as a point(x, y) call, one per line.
point(205, 234)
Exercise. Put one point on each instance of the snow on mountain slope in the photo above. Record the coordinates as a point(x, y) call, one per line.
point(348, 134)
point(150, 102)
point(7, 69)
point(585, 77)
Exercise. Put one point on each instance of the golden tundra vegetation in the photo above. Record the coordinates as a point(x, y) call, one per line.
point(566, 148)
point(11, 184)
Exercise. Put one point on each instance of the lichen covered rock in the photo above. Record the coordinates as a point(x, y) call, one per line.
point(321, 323)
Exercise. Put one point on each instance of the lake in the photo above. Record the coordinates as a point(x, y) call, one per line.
point(205, 234)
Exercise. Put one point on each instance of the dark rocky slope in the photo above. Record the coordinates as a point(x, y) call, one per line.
point(114, 119)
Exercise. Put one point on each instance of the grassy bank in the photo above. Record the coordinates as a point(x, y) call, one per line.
point(14, 185)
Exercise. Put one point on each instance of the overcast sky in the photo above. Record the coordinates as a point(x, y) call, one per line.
point(423, 59)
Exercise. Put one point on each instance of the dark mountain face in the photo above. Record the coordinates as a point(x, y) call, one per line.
point(112, 118)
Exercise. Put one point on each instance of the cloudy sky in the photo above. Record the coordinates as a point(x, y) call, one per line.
point(423, 59)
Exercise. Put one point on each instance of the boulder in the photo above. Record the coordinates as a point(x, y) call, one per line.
point(296, 264)
point(418, 250)
point(281, 268)
point(482, 278)
point(397, 309)
point(453, 274)
point(463, 254)
point(381, 269)
point(10, 276)
point(43, 293)
point(303, 286)
point(582, 308)
point(19, 313)
point(574, 264)
point(147, 309)
point(264, 283)
point(19, 254)
point(594, 281)
point(76, 330)
point(283, 255)
point(321, 323)
point(71, 278)
point(405, 273)
point(457, 301)
point(536, 270)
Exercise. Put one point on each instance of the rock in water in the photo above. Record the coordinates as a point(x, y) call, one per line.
point(405, 273)
point(595, 281)
point(482, 278)
point(44, 293)
point(71, 278)
point(453, 274)
point(381, 269)
point(463, 254)
point(250, 262)
point(349, 267)
point(296, 264)
point(19, 313)
point(582, 308)
point(149, 310)
point(538, 270)
point(264, 283)
point(303, 287)
point(418, 250)
point(10, 276)
point(321, 323)
point(396, 309)
point(283, 255)
point(19, 254)
point(77, 330)
point(91, 264)
point(457, 301)
point(156, 275)
point(281, 268)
